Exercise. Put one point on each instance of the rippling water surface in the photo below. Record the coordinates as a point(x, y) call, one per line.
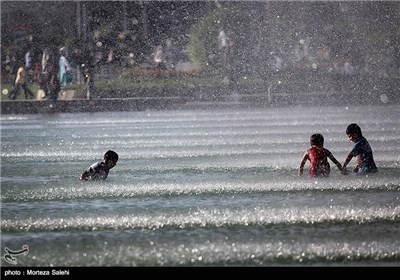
point(202, 187)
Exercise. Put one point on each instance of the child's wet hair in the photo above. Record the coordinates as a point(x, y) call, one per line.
point(317, 140)
point(111, 155)
point(353, 129)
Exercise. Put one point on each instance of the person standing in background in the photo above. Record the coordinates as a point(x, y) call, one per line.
point(21, 82)
point(224, 45)
point(65, 68)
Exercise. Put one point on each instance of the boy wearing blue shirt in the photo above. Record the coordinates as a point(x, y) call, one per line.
point(361, 151)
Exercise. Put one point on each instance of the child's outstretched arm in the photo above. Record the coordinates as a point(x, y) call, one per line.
point(84, 175)
point(302, 163)
point(346, 161)
point(336, 162)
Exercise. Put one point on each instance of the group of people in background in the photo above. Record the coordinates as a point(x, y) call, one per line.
point(51, 74)
point(51, 70)
point(54, 69)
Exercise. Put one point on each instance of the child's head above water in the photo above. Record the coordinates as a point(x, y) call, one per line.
point(110, 158)
point(353, 131)
point(317, 140)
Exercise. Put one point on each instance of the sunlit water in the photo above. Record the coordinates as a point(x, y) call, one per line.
point(201, 187)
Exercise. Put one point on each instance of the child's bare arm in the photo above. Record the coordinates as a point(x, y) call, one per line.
point(84, 175)
point(302, 163)
point(348, 159)
point(335, 161)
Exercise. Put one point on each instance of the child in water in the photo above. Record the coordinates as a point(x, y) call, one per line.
point(99, 170)
point(318, 157)
point(361, 151)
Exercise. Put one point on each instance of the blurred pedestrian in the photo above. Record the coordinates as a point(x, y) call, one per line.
point(88, 64)
point(170, 55)
point(89, 82)
point(224, 46)
point(65, 68)
point(159, 58)
point(47, 69)
point(21, 82)
point(54, 85)
point(28, 57)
